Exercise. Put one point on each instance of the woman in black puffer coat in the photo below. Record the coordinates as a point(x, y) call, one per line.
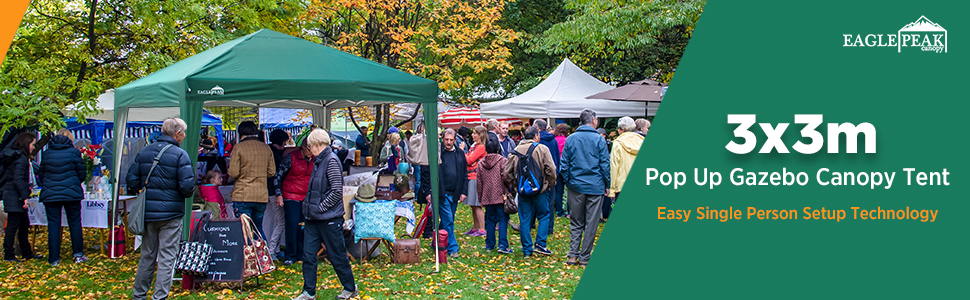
point(62, 172)
point(15, 190)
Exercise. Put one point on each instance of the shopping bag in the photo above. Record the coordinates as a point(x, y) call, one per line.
point(195, 255)
point(256, 255)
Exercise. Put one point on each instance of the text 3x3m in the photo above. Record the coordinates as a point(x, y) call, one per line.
point(774, 134)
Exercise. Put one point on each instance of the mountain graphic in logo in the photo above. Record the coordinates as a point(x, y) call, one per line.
point(922, 25)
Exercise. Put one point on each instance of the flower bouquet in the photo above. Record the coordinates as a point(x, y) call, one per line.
point(92, 160)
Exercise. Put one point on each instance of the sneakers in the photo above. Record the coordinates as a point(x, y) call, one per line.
point(288, 262)
point(80, 259)
point(478, 233)
point(527, 256)
point(469, 232)
point(572, 261)
point(305, 296)
point(505, 251)
point(56, 263)
point(345, 294)
point(542, 250)
point(453, 254)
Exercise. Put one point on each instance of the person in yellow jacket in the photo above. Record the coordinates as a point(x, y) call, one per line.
point(625, 149)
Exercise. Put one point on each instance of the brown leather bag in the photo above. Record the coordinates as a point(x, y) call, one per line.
point(407, 251)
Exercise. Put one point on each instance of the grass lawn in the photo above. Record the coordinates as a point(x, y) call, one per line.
point(474, 275)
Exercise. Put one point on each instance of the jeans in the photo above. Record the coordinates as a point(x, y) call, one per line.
point(73, 211)
point(274, 224)
point(294, 234)
point(557, 199)
point(538, 208)
point(548, 197)
point(254, 211)
point(159, 248)
point(446, 210)
point(584, 214)
point(17, 225)
point(330, 233)
point(495, 215)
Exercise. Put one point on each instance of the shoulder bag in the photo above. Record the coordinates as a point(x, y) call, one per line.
point(136, 217)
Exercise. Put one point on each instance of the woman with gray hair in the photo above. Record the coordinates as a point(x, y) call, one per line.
point(625, 149)
point(643, 125)
point(324, 211)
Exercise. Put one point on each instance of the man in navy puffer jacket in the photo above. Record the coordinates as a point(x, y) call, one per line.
point(62, 171)
point(172, 181)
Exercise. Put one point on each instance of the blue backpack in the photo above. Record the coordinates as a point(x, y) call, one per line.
point(529, 174)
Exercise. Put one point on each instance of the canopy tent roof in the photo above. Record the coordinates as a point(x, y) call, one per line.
point(562, 95)
point(466, 117)
point(272, 69)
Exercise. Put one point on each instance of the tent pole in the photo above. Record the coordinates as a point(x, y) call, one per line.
point(431, 113)
point(191, 113)
point(121, 120)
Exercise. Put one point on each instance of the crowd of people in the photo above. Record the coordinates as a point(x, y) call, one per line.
point(294, 194)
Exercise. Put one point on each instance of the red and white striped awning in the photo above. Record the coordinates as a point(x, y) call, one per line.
point(467, 117)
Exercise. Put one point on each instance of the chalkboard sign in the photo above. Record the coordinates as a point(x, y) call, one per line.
point(226, 237)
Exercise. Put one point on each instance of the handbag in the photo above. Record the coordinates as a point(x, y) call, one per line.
point(511, 205)
point(256, 255)
point(195, 255)
point(136, 217)
point(407, 251)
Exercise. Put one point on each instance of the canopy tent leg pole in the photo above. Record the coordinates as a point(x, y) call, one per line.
point(191, 113)
point(121, 121)
point(431, 113)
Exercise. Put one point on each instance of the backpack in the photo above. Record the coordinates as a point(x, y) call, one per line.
point(529, 182)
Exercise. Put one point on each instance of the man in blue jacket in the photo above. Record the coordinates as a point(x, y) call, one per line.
point(170, 183)
point(549, 140)
point(586, 171)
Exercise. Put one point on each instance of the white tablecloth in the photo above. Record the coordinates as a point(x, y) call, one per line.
point(94, 213)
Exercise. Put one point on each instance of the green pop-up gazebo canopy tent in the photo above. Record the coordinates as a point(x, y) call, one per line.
point(272, 69)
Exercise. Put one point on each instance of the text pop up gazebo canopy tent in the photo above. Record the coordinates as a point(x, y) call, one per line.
point(272, 69)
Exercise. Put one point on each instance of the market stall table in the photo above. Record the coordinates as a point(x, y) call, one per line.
point(94, 214)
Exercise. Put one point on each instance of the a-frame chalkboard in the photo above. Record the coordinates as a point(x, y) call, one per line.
point(226, 237)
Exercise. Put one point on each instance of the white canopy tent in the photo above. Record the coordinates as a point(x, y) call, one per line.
point(106, 102)
point(562, 95)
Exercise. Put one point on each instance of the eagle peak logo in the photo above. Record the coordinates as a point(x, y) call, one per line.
point(216, 90)
point(922, 34)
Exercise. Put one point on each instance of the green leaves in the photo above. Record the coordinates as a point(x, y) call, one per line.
point(66, 53)
point(621, 41)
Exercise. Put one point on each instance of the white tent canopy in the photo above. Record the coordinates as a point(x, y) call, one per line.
point(562, 95)
point(106, 102)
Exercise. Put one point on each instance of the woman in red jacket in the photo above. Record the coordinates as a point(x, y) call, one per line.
point(292, 182)
point(477, 151)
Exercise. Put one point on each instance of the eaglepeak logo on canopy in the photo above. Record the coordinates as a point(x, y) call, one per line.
point(923, 33)
point(216, 90)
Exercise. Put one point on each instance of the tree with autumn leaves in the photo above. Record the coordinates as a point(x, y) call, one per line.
point(449, 41)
